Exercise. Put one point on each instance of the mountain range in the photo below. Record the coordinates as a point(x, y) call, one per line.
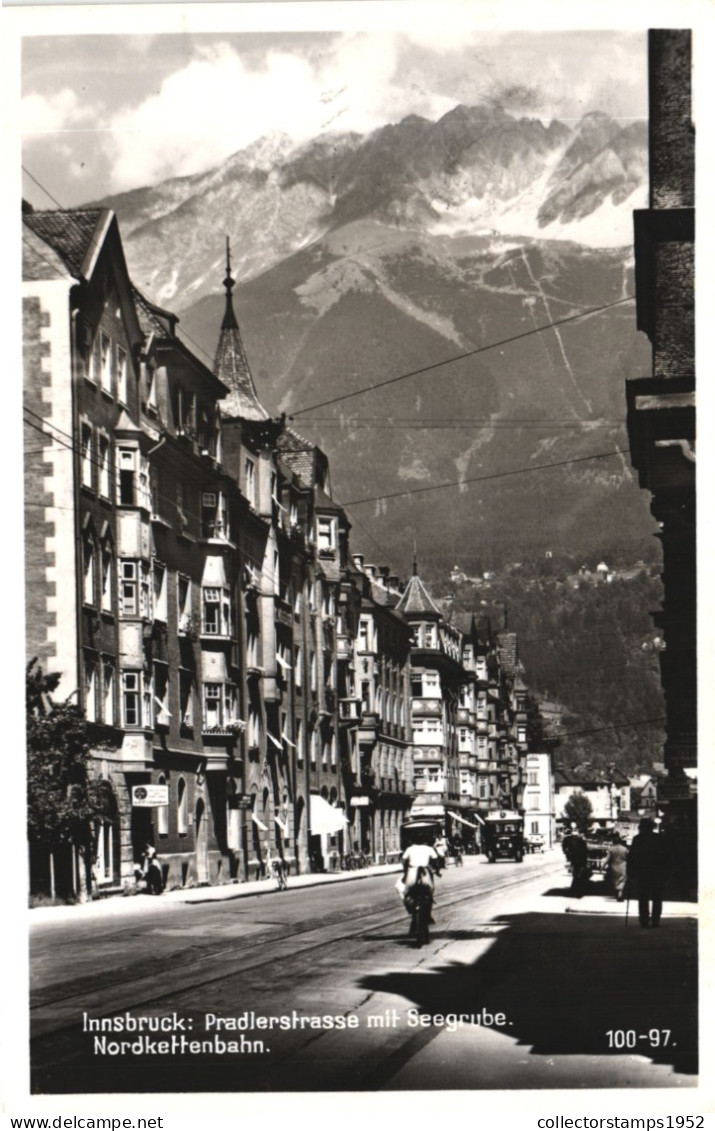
point(364, 259)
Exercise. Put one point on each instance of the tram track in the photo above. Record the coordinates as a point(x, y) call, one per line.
point(57, 1008)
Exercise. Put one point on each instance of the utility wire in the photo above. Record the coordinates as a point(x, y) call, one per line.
point(485, 478)
point(41, 186)
point(611, 726)
point(462, 356)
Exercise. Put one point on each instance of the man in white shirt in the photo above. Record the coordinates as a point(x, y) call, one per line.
point(416, 857)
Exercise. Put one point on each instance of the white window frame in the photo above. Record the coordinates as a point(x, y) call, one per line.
point(89, 569)
point(105, 362)
point(87, 454)
point(159, 592)
point(107, 576)
point(108, 690)
point(104, 465)
point(132, 699)
point(90, 688)
point(122, 375)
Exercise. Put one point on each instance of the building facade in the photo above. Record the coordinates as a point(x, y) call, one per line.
point(253, 690)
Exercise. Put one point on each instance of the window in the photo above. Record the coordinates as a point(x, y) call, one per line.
point(327, 540)
point(216, 612)
point(430, 636)
point(126, 480)
point(182, 808)
point(89, 582)
point(183, 602)
point(132, 698)
point(104, 465)
point(313, 672)
point(108, 691)
point(251, 642)
point(90, 688)
point(214, 515)
point(254, 728)
point(299, 752)
point(151, 401)
point(313, 748)
point(87, 455)
point(122, 374)
point(212, 704)
point(105, 363)
point(249, 481)
point(532, 777)
point(107, 577)
point(129, 592)
point(134, 588)
point(160, 603)
point(298, 667)
point(161, 694)
point(186, 684)
point(219, 705)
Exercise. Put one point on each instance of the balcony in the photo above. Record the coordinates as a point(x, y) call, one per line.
point(350, 710)
point(431, 707)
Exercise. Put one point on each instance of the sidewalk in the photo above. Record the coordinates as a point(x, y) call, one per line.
point(123, 905)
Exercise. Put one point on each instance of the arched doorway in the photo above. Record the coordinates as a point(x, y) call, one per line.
point(106, 855)
point(201, 832)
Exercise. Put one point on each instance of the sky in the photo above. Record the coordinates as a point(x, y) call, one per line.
point(104, 113)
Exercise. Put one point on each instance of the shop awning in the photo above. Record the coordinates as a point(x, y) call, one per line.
point(456, 817)
point(325, 818)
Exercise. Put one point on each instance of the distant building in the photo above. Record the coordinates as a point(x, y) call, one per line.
point(538, 798)
point(609, 792)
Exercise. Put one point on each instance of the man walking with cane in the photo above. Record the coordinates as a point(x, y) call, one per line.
point(646, 864)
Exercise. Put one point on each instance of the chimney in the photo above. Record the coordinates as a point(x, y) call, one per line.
point(358, 561)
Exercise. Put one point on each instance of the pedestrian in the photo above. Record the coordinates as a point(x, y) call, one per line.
point(577, 855)
point(617, 855)
point(645, 867)
point(279, 870)
point(151, 871)
point(440, 847)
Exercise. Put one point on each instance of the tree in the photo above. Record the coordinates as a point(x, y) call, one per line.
point(579, 811)
point(62, 800)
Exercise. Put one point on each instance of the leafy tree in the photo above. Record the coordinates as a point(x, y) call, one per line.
point(62, 800)
point(579, 811)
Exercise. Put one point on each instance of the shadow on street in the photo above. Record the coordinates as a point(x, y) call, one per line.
point(565, 982)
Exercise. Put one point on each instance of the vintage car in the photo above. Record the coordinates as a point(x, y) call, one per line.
point(534, 842)
point(503, 836)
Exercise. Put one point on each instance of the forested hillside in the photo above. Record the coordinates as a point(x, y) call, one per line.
point(590, 653)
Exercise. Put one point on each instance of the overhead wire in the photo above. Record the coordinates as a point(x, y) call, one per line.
point(484, 478)
point(462, 356)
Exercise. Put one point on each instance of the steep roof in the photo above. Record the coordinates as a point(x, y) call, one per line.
point(153, 319)
point(231, 364)
point(297, 454)
point(73, 234)
point(416, 599)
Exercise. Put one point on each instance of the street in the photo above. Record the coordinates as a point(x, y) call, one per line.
point(319, 988)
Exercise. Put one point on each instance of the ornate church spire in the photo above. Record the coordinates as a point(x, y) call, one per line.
point(231, 364)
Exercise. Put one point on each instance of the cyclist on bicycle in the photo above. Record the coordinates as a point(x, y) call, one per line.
point(419, 863)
